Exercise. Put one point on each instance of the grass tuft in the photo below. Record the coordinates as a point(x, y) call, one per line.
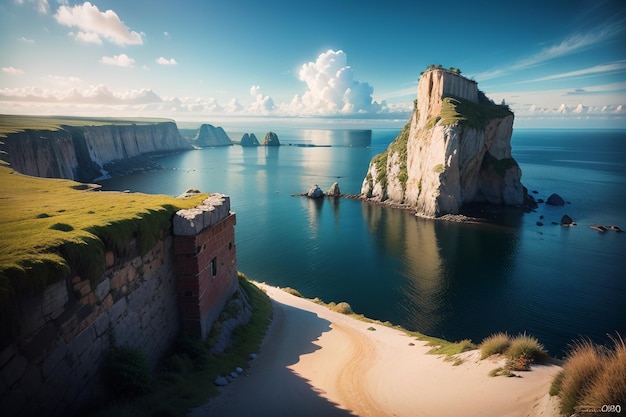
point(593, 376)
point(292, 291)
point(524, 346)
point(343, 308)
point(495, 344)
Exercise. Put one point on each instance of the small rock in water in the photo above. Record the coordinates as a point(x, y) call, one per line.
point(220, 381)
point(239, 370)
point(234, 374)
point(535, 192)
point(556, 200)
point(315, 192)
point(539, 224)
point(566, 220)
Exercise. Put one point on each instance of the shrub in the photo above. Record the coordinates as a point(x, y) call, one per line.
point(525, 347)
point(126, 372)
point(495, 344)
point(292, 291)
point(343, 308)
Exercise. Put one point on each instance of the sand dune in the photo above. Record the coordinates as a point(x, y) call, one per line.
point(316, 362)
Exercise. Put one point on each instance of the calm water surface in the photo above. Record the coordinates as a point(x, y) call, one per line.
point(448, 280)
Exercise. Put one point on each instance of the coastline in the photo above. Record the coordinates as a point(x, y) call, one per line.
point(316, 361)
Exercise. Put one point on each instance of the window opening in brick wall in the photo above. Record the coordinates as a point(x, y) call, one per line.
point(214, 267)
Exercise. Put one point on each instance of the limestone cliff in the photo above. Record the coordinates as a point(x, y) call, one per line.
point(455, 150)
point(81, 152)
point(209, 135)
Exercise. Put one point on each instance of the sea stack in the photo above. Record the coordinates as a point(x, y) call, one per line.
point(249, 140)
point(209, 135)
point(455, 150)
point(271, 139)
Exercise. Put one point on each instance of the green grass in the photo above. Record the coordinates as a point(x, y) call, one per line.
point(52, 228)
point(399, 146)
point(526, 346)
point(186, 378)
point(19, 123)
point(466, 113)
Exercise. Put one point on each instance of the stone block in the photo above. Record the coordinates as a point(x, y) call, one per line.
point(31, 314)
point(53, 359)
point(40, 342)
point(102, 290)
point(83, 340)
point(13, 371)
point(188, 222)
point(119, 278)
point(101, 324)
point(7, 354)
point(117, 310)
point(54, 297)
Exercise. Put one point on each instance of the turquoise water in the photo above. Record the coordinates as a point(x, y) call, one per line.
point(444, 279)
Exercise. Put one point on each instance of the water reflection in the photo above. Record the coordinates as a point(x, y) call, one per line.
point(337, 137)
point(450, 271)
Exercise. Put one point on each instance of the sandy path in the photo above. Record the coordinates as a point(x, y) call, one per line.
point(316, 362)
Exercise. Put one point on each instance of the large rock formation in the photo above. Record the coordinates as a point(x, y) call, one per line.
point(209, 135)
point(455, 150)
point(271, 139)
point(81, 152)
point(249, 140)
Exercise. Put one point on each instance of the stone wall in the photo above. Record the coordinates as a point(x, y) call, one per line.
point(52, 368)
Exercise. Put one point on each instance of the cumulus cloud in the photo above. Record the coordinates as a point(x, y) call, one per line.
point(164, 61)
point(12, 70)
point(95, 94)
point(26, 40)
point(332, 88)
point(262, 104)
point(233, 106)
point(121, 60)
point(94, 24)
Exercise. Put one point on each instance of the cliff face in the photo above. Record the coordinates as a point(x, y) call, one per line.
point(209, 135)
point(80, 152)
point(271, 139)
point(249, 140)
point(455, 150)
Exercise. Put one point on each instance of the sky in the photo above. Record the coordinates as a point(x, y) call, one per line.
point(555, 63)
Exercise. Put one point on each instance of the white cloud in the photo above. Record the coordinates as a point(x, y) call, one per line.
point(234, 106)
point(262, 104)
point(164, 61)
point(26, 40)
point(42, 6)
point(12, 70)
point(63, 81)
point(254, 90)
point(86, 37)
point(592, 71)
point(121, 60)
point(93, 95)
point(332, 88)
point(96, 24)
point(573, 43)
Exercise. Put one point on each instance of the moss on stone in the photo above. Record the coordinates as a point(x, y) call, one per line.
point(467, 113)
point(500, 166)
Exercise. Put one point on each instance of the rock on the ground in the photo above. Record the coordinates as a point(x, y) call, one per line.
point(221, 381)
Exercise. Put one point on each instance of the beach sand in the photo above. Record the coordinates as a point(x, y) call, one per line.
point(317, 362)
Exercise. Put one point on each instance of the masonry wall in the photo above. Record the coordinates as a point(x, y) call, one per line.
point(53, 367)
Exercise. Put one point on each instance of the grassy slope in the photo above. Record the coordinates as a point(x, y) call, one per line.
point(51, 226)
point(19, 123)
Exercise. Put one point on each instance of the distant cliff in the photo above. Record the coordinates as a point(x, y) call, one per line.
point(271, 139)
point(209, 135)
point(249, 140)
point(81, 152)
point(455, 150)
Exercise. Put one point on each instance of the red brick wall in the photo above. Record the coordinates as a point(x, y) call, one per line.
point(201, 295)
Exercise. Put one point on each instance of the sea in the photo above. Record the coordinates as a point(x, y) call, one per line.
point(518, 273)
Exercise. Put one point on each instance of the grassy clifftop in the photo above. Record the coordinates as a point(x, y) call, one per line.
point(19, 123)
point(50, 228)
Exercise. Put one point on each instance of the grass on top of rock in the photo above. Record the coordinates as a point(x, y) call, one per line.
point(20, 123)
point(399, 146)
point(185, 378)
point(593, 376)
point(52, 228)
point(467, 113)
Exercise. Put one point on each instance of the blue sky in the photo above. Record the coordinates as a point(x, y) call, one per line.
point(556, 63)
